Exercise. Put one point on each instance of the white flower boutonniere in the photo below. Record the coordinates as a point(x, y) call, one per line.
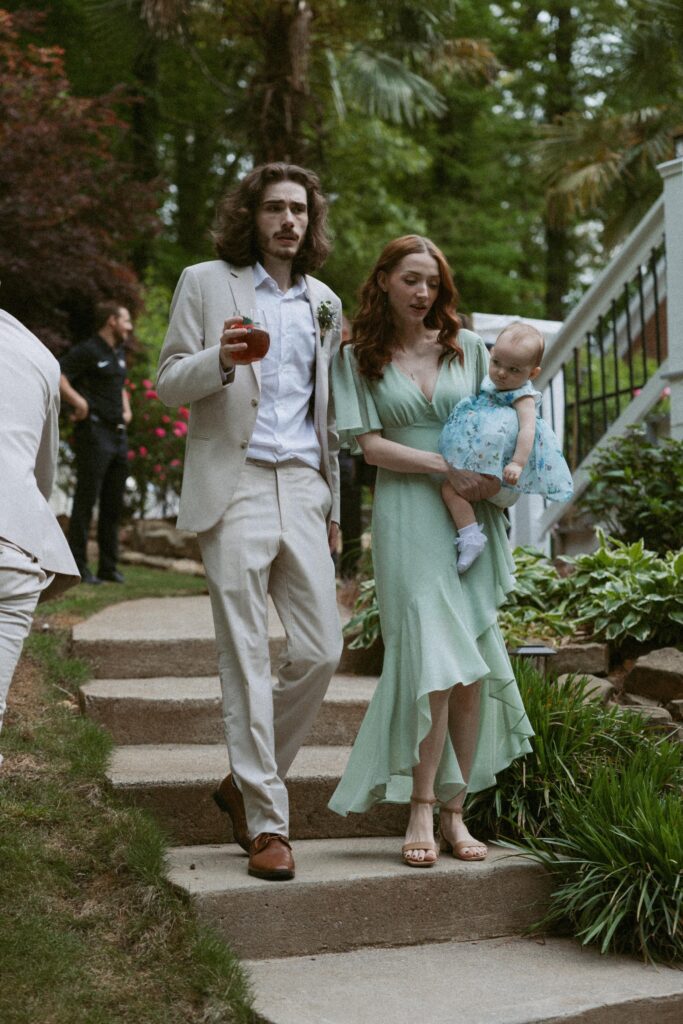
point(327, 318)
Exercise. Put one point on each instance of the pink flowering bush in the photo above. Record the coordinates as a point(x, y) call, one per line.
point(156, 447)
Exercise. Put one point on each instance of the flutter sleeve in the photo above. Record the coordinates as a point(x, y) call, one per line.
point(354, 404)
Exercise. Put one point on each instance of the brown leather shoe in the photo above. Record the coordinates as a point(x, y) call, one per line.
point(270, 857)
point(230, 801)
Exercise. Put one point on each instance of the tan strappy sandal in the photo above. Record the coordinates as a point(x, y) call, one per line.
point(479, 850)
point(413, 862)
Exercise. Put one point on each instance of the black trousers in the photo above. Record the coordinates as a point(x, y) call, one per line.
point(101, 471)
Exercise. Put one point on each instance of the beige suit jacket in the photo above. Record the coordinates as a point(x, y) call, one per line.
point(222, 416)
point(29, 428)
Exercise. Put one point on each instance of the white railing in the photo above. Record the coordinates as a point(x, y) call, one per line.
point(622, 344)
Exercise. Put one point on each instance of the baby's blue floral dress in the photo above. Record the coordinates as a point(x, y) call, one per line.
point(481, 433)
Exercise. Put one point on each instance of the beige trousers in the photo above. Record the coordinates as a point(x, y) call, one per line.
point(272, 539)
point(21, 582)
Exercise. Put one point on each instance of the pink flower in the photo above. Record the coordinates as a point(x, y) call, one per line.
point(157, 467)
point(184, 412)
point(131, 454)
point(666, 393)
point(165, 419)
point(142, 451)
point(151, 394)
point(174, 463)
point(160, 432)
point(636, 392)
point(147, 383)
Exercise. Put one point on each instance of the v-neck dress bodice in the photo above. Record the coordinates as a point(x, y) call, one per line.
point(439, 628)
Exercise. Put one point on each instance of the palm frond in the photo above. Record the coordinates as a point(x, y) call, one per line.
point(386, 88)
point(580, 157)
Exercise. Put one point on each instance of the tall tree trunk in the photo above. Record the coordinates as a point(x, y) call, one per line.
point(281, 93)
point(144, 130)
point(559, 100)
point(194, 152)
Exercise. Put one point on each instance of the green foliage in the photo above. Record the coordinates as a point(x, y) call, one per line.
point(619, 859)
point(636, 490)
point(156, 435)
point(574, 737)
point(623, 591)
point(536, 607)
point(364, 624)
point(90, 930)
point(598, 802)
point(619, 593)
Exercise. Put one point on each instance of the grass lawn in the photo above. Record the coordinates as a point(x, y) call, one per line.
point(89, 929)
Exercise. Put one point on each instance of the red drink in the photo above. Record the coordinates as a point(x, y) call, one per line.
point(258, 343)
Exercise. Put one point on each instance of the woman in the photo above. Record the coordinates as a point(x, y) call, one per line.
point(446, 715)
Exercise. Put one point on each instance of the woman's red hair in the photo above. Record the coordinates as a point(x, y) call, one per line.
point(374, 337)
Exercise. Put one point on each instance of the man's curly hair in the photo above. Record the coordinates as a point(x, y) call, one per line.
point(235, 236)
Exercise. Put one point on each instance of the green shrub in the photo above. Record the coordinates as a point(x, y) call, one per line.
point(363, 625)
point(574, 739)
point(618, 593)
point(536, 607)
point(636, 490)
point(619, 861)
point(622, 590)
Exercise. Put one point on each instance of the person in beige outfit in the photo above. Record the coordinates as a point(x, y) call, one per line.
point(34, 554)
point(261, 482)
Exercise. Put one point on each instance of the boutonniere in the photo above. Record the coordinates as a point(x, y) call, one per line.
point(327, 318)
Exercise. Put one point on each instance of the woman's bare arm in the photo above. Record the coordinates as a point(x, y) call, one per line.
point(379, 451)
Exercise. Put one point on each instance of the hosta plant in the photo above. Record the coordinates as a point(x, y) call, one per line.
point(623, 591)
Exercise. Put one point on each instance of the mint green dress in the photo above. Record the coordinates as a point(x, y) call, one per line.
point(439, 628)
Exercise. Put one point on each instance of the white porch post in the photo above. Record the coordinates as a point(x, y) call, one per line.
point(672, 173)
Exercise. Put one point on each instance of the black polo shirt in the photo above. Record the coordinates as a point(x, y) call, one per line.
point(98, 372)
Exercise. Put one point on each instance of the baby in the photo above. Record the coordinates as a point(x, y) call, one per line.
point(499, 433)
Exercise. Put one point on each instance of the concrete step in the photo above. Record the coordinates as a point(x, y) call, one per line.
point(496, 981)
point(188, 710)
point(350, 893)
point(155, 636)
point(175, 782)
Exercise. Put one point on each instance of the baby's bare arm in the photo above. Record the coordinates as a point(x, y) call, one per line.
point(526, 418)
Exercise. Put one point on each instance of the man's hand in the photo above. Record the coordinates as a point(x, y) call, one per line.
point(473, 486)
point(512, 473)
point(333, 538)
point(80, 408)
point(127, 411)
point(230, 341)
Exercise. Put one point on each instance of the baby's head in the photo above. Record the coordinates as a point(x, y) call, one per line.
point(516, 356)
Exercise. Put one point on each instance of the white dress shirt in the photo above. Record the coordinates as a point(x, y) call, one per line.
point(284, 424)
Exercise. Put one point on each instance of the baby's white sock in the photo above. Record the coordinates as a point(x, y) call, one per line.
point(471, 541)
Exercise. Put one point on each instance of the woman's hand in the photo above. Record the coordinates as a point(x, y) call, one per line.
point(230, 341)
point(473, 486)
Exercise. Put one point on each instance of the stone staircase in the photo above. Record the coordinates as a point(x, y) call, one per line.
point(356, 936)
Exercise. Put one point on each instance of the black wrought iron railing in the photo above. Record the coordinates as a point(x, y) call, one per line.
point(614, 360)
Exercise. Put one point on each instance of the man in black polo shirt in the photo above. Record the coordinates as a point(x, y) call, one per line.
point(93, 382)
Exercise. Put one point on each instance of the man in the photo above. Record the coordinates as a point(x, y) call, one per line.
point(33, 550)
point(261, 482)
point(93, 382)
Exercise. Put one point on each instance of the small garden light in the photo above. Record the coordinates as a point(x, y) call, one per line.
point(538, 654)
